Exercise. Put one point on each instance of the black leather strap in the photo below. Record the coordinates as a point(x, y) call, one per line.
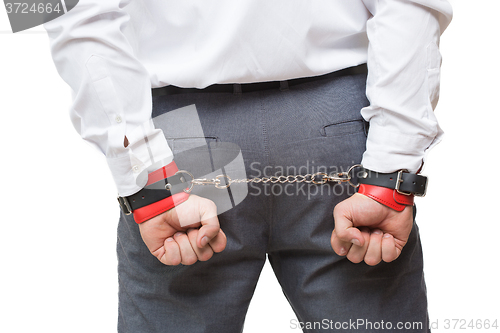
point(155, 192)
point(404, 182)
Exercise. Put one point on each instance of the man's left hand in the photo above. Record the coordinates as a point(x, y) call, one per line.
point(367, 230)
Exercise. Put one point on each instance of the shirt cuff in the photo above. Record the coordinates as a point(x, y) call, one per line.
point(147, 151)
point(389, 151)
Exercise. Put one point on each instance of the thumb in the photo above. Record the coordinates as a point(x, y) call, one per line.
point(210, 226)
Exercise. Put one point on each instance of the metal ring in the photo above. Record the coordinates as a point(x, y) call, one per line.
point(190, 188)
point(323, 180)
point(218, 185)
point(349, 175)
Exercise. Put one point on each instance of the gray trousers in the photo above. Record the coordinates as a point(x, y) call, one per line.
point(311, 127)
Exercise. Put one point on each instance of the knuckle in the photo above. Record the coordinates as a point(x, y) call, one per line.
point(370, 261)
point(218, 247)
point(210, 206)
point(389, 259)
point(336, 211)
point(354, 259)
point(175, 262)
point(189, 261)
point(389, 256)
point(170, 261)
point(215, 246)
point(340, 207)
point(220, 244)
point(342, 234)
point(213, 230)
point(206, 202)
point(206, 256)
point(221, 248)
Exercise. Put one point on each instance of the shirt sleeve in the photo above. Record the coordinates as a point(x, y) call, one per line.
point(403, 81)
point(111, 90)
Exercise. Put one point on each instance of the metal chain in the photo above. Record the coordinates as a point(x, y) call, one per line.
point(318, 178)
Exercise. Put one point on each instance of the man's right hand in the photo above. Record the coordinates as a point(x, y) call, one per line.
point(185, 234)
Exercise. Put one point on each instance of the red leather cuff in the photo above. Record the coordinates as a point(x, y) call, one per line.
point(386, 196)
point(145, 213)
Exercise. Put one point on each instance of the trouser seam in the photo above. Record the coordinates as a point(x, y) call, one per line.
point(265, 142)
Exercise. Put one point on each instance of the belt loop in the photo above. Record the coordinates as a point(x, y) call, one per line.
point(283, 85)
point(237, 89)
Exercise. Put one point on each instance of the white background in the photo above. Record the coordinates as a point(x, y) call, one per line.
point(57, 248)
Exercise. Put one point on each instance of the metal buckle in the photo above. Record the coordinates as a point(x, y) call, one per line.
point(124, 205)
point(399, 180)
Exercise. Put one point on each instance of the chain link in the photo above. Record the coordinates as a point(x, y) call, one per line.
point(318, 178)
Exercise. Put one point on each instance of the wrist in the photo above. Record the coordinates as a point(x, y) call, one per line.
point(386, 196)
point(164, 190)
point(395, 190)
point(401, 181)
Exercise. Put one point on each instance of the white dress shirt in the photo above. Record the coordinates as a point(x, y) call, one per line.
point(113, 52)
